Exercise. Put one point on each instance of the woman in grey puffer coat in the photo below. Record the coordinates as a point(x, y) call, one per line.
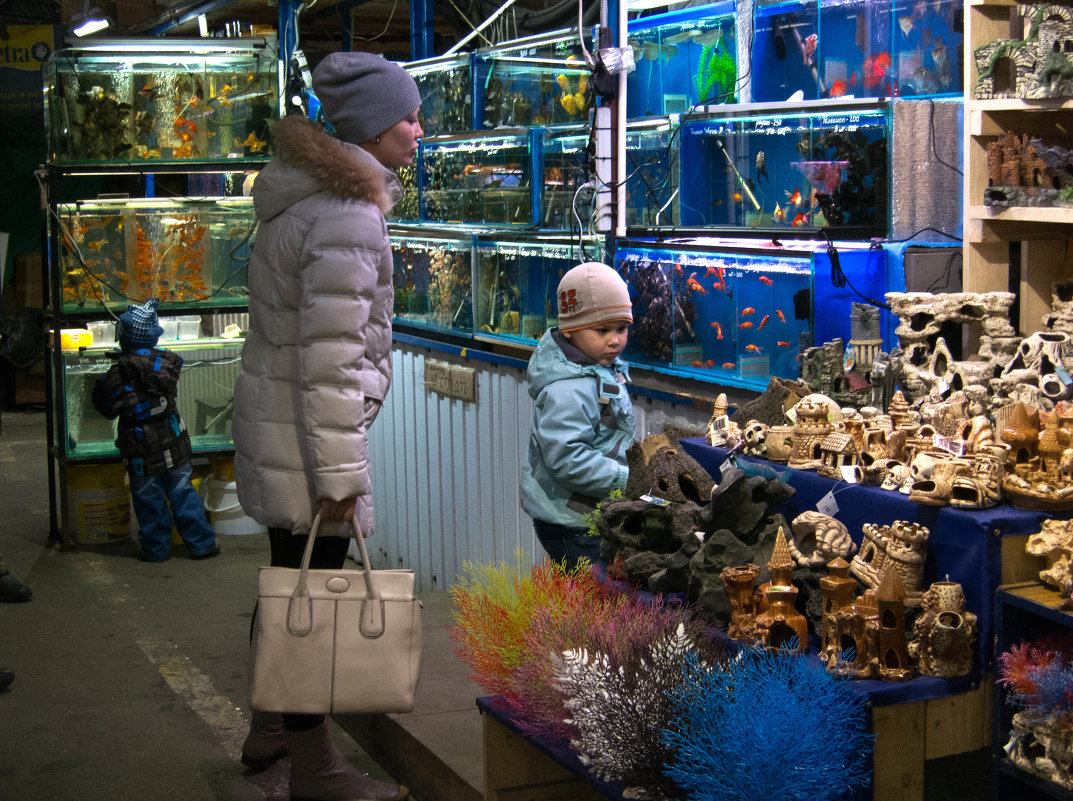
point(316, 363)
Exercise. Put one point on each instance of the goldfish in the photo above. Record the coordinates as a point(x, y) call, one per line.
point(254, 143)
point(698, 364)
point(765, 280)
point(693, 284)
point(795, 198)
point(800, 219)
point(808, 48)
point(95, 245)
point(710, 363)
point(753, 348)
point(853, 79)
point(746, 324)
point(718, 330)
point(564, 82)
point(747, 311)
point(729, 365)
point(780, 315)
point(783, 344)
point(737, 197)
point(710, 272)
point(184, 126)
point(778, 215)
point(763, 322)
point(838, 88)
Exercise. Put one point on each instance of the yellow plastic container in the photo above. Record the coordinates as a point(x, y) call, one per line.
point(75, 338)
point(98, 502)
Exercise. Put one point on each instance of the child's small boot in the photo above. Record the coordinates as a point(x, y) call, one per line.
point(320, 773)
point(265, 743)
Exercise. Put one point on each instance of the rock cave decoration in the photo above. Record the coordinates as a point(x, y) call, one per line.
point(1038, 66)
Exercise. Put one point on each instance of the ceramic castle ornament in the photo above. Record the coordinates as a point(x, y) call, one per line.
point(944, 633)
point(1042, 68)
point(901, 544)
point(779, 624)
point(739, 583)
point(838, 590)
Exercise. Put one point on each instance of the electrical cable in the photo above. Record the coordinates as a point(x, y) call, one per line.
point(934, 148)
point(839, 278)
point(387, 26)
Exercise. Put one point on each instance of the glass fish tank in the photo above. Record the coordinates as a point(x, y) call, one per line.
point(683, 59)
point(206, 390)
point(537, 80)
point(479, 178)
point(813, 50)
point(117, 102)
point(446, 87)
point(408, 209)
point(651, 182)
point(738, 312)
point(806, 165)
point(929, 47)
point(186, 253)
point(433, 278)
point(516, 280)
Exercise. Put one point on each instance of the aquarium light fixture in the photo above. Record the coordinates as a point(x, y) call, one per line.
point(648, 5)
point(89, 20)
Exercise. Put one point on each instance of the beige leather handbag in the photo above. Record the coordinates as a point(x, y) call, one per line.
point(335, 641)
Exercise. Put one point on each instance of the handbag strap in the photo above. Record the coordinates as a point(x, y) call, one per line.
point(300, 606)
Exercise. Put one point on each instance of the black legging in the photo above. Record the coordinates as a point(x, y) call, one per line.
point(329, 553)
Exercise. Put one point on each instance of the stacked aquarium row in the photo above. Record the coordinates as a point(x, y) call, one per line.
point(186, 253)
point(120, 102)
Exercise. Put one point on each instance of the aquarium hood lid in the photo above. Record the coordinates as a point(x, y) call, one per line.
point(796, 108)
point(166, 45)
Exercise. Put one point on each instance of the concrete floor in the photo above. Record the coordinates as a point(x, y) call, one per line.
point(130, 678)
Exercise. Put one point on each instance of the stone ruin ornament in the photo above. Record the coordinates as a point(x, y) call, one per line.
point(1054, 542)
point(1042, 748)
point(819, 538)
point(1038, 66)
point(944, 633)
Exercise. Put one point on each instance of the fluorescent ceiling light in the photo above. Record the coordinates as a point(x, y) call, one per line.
point(89, 20)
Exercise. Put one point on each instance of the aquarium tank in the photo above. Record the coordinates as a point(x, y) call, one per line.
point(433, 278)
point(929, 47)
point(739, 312)
point(538, 80)
point(446, 87)
point(806, 165)
point(516, 280)
point(683, 59)
point(186, 253)
point(118, 102)
point(210, 368)
point(479, 178)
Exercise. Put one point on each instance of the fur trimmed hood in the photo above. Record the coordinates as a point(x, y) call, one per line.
point(309, 161)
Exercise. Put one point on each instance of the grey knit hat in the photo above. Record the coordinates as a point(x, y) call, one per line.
point(590, 294)
point(364, 94)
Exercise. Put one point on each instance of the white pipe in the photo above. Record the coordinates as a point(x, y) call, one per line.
point(479, 28)
point(620, 129)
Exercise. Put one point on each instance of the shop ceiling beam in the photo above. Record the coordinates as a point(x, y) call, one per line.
point(180, 15)
point(422, 33)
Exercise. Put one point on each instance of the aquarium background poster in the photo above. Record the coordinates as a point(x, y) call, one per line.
point(23, 51)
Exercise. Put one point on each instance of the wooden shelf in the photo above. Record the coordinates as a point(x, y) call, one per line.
point(1036, 214)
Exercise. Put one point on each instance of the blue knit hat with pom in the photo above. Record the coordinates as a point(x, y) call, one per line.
point(138, 326)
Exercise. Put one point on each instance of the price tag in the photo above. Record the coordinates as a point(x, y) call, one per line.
point(721, 423)
point(955, 447)
point(700, 535)
point(849, 473)
point(652, 499)
point(827, 505)
point(1063, 376)
point(943, 386)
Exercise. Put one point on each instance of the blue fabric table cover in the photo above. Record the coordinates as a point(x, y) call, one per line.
point(963, 546)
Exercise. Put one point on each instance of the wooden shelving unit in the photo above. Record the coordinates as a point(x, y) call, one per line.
point(1043, 233)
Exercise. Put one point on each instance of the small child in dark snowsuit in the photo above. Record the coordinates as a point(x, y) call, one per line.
point(140, 389)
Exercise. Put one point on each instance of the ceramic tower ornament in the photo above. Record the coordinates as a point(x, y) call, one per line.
point(739, 583)
point(944, 633)
point(780, 625)
point(839, 591)
point(892, 652)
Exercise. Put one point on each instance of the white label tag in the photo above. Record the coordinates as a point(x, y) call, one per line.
point(849, 473)
point(943, 386)
point(1063, 376)
point(827, 505)
point(720, 423)
point(652, 499)
point(700, 535)
point(955, 447)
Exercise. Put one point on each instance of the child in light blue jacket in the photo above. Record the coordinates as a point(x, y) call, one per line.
point(582, 414)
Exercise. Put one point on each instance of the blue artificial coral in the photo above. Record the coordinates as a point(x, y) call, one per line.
point(767, 725)
point(1053, 698)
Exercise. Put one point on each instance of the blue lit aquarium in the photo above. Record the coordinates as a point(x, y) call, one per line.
point(805, 165)
point(738, 312)
point(433, 278)
point(929, 47)
point(538, 80)
point(838, 48)
point(479, 177)
point(651, 182)
point(516, 279)
point(446, 87)
point(683, 59)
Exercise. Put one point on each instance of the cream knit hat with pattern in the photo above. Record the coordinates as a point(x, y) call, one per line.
point(590, 294)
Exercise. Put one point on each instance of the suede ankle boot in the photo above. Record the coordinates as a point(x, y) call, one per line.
point(264, 744)
point(320, 773)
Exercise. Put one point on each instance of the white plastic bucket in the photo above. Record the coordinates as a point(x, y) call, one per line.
point(225, 512)
point(98, 503)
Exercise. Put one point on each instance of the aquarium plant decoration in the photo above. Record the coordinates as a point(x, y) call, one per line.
point(737, 723)
point(1038, 677)
point(717, 73)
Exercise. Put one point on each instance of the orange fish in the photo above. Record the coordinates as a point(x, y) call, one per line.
point(746, 324)
point(753, 348)
point(711, 272)
point(737, 197)
point(883, 61)
point(693, 284)
point(800, 219)
point(782, 344)
point(95, 245)
point(795, 198)
point(747, 311)
point(780, 315)
point(718, 330)
point(763, 322)
point(853, 79)
point(710, 363)
point(698, 364)
point(778, 215)
point(838, 88)
point(728, 365)
point(765, 280)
